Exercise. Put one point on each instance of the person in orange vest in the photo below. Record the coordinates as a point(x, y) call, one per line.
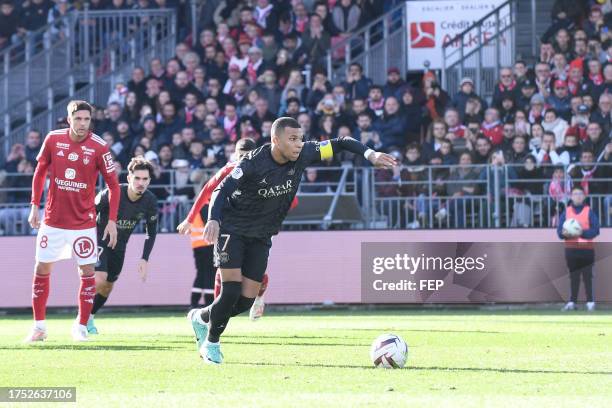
point(579, 250)
point(203, 256)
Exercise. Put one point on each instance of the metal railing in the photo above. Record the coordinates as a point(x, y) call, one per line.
point(432, 197)
point(376, 47)
point(102, 48)
point(493, 50)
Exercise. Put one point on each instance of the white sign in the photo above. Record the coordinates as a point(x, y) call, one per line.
point(431, 24)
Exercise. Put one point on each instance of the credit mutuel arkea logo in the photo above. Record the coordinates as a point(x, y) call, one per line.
point(423, 34)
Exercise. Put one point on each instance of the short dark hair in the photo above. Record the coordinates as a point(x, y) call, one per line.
point(245, 145)
point(140, 163)
point(78, 105)
point(281, 124)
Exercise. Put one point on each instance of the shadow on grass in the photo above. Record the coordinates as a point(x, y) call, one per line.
point(473, 369)
point(420, 330)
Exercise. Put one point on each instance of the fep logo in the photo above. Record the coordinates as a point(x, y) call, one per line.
point(423, 35)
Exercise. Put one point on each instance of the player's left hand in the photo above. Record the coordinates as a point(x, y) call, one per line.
point(142, 269)
point(184, 227)
point(382, 160)
point(111, 232)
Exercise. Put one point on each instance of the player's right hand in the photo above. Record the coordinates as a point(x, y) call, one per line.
point(111, 232)
point(34, 217)
point(184, 227)
point(211, 231)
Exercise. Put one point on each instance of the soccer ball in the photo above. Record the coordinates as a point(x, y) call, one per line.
point(389, 351)
point(572, 227)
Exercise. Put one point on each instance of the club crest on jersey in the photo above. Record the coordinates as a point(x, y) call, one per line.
point(70, 174)
point(85, 160)
point(84, 247)
point(237, 173)
point(73, 156)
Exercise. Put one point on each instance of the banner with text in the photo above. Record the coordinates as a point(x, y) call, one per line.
point(449, 272)
point(431, 24)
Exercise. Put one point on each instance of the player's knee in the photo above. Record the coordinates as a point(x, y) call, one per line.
point(42, 268)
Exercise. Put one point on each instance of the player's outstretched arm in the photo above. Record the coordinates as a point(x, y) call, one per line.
point(317, 151)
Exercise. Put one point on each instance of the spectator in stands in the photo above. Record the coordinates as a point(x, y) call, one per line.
point(34, 14)
point(560, 100)
point(546, 52)
point(505, 87)
point(521, 125)
point(543, 79)
point(315, 41)
point(570, 151)
point(346, 16)
point(546, 153)
point(562, 44)
point(520, 72)
point(269, 90)
point(170, 123)
point(436, 133)
point(596, 141)
point(19, 184)
point(492, 126)
point(579, 122)
point(589, 176)
point(356, 85)
point(474, 110)
point(414, 114)
point(376, 101)
point(536, 110)
point(518, 151)
point(446, 153)
point(436, 98)
point(466, 91)
point(33, 143)
point(595, 22)
point(394, 84)
point(10, 24)
point(509, 133)
point(392, 126)
point(366, 133)
point(113, 114)
point(59, 29)
point(461, 185)
point(453, 123)
point(482, 150)
point(555, 124)
point(507, 109)
point(413, 183)
point(311, 183)
point(602, 114)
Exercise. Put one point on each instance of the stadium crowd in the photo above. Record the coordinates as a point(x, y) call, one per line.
point(548, 119)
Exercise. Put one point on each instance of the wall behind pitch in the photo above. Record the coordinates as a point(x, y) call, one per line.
point(304, 267)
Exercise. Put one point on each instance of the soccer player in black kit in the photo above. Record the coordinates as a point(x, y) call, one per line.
point(247, 209)
point(136, 204)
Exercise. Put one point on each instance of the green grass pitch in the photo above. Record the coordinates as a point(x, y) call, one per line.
point(321, 358)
